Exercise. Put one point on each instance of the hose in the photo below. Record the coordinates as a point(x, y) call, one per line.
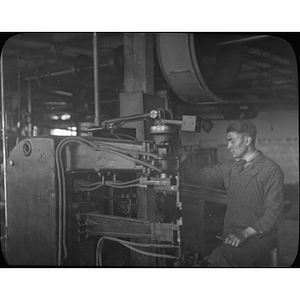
point(123, 186)
point(130, 245)
point(62, 211)
point(62, 194)
point(138, 161)
point(87, 187)
point(125, 151)
point(119, 135)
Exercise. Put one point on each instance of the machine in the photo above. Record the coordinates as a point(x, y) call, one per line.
point(102, 201)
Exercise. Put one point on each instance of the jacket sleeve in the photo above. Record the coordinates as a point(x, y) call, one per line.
point(202, 176)
point(273, 202)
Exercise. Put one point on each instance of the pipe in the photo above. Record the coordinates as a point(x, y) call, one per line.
point(29, 41)
point(64, 72)
point(243, 40)
point(50, 74)
point(96, 80)
point(19, 83)
point(271, 60)
point(4, 149)
point(29, 106)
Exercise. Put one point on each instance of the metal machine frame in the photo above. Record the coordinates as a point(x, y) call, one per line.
point(51, 184)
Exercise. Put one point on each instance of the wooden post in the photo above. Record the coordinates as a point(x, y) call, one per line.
point(139, 77)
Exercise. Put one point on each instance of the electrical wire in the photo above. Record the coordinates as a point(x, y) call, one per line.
point(130, 245)
point(127, 151)
point(163, 112)
point(138, 161)
point(62, 184)
point(115, 135)
point(121, 152)
point(87, 187)
point(119, 135)
point(123, 182)
point(123, 186)
point(143, 245)
point(62, 194)
point(119, 183)
point(87, 184)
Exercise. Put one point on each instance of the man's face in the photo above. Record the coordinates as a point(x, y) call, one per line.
point(236, 144)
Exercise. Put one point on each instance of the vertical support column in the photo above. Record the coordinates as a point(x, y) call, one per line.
point(138, 76)
point(138, 63)
point(139, 80)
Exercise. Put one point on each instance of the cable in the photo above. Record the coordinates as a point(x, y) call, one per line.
point(62, 209)
point(129, 245)
point(142, 245)
point(120, 152)
point(138, 161)
point(118, 135)
point(88, 184)
point(122, 182)
point(127, 151)
point(62, 194)
point(87, 187)
point(123, 186)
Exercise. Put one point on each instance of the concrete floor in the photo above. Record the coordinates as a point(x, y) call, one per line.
point(288, 240)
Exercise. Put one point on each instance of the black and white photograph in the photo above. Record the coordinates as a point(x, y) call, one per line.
point(149, 150)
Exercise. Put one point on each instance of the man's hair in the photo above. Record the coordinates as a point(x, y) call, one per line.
point(243, 126)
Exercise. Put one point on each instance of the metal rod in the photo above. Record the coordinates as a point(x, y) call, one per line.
point(172, 122)
point(4, 149)
point(62, 93)
point(64, 72)
point(19, 83)
point(29, 107)
point(50, 74)
point(96, 80)
point(244, 40)
point(128, 118)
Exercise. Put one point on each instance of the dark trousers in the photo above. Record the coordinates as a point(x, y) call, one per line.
point(254, 252)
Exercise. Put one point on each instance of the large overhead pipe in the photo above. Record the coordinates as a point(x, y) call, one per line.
point(96, 80)
point(179, 65)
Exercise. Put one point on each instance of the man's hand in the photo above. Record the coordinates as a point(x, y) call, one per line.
point(236, 238)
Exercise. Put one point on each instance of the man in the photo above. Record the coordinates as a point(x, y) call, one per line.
point(254, 185)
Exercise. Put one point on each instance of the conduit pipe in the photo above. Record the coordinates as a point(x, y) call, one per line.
point(29, 107)
point(4, 149)
point(243, 40)
point(96, 80)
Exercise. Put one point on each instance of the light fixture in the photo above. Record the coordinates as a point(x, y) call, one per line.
point(54, 117)
point(65, 117)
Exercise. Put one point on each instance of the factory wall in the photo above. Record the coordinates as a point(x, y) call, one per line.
point(277, 138)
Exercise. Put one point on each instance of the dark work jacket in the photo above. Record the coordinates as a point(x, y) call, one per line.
point(255, 193)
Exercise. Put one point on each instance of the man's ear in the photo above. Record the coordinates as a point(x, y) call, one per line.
point(248, 140)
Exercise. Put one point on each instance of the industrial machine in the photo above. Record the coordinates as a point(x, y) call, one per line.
point(99, 201)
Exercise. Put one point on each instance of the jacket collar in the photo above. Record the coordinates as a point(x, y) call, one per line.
point(259, 156)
